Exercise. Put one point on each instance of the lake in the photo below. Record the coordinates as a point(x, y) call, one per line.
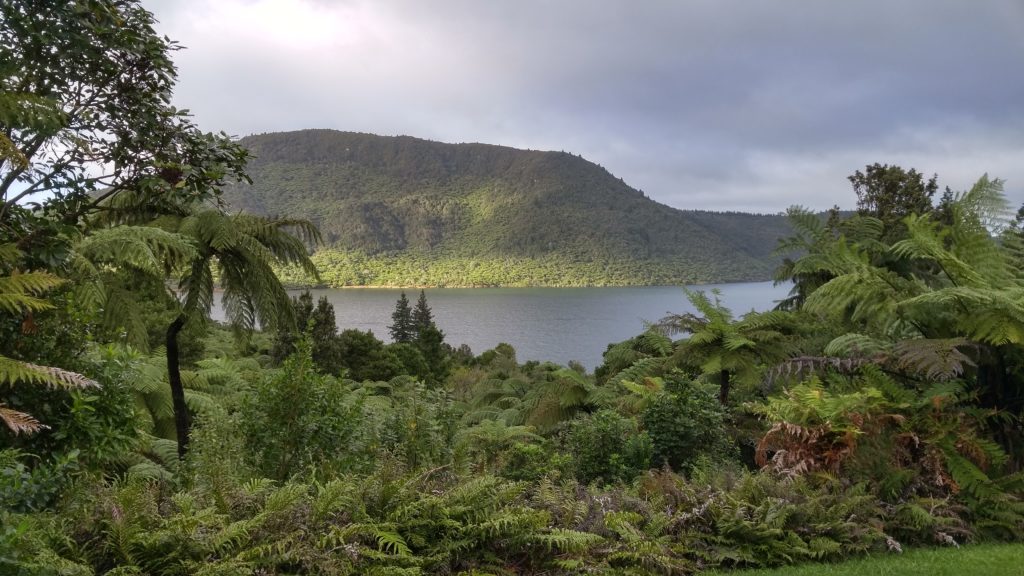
point(557, 324)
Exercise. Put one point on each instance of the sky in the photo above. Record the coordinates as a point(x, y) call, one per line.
point(752, 105)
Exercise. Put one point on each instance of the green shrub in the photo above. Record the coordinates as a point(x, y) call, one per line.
point(685, 422)
point(607, 447)
point(298, 420)
point(32, 486)
point(531, 462)
point(415, 423)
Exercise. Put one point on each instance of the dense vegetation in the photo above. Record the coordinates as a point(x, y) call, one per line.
point(879, 408)
point(399, 211)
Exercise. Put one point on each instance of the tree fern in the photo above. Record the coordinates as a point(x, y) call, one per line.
point(19, 295)
point(724, 349)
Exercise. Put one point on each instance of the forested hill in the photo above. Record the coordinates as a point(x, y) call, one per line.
point(406, 211)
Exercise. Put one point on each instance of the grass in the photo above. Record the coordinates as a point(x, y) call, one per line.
point(981, 560)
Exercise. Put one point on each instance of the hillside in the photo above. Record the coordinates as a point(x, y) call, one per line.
point(405, 211)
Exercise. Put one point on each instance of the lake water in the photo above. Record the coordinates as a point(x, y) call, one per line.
point(557, 324)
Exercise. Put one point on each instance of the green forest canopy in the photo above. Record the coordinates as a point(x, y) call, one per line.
point(400, 211)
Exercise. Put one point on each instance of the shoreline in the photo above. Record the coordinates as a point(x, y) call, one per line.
point(477, 287)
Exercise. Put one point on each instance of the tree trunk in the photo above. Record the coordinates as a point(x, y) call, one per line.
point(181, 419)
point(723, 391)
point(1000, 391)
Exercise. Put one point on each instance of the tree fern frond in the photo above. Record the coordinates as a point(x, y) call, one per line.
point(984, 204)
point(936, 359)
point(19, 291)
point(862, 229)
point(202, 402)
point(197, 286)
point(12, 371)
point(144, 248)
point(867, 293)
point(9, 253)
point(925, 243)
point(940, 394)
point(733, 342)
point(149, 470)
point(808, 227)
point(639, 370)
point(802, 365)
point(968, 476)
point(19, 422)
point(856, 345)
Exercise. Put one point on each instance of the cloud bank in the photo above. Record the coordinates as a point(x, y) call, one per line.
point(714, 104)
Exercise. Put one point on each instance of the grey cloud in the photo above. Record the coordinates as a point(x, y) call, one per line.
point(702, 104)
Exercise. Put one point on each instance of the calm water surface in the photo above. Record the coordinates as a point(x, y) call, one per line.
point(557, 324)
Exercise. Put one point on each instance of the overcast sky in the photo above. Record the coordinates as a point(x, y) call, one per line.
point(724, 105)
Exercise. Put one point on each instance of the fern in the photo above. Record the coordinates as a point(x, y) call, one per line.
point(18, 295)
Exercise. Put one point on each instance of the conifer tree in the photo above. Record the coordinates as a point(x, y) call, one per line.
point(429, 340)
point(402, 329)
point(422, 317)
point(320, 325)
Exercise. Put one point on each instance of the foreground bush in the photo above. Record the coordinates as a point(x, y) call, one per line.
point(396, 521)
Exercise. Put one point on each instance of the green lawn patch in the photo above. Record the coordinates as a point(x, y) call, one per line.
point(981, 560)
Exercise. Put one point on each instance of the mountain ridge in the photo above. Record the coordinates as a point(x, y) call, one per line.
point(411, 203)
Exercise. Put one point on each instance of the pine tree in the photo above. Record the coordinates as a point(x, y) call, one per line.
point(324, 337)
point(287, 336)
point(422, 317)
point(430, 343)
point(320, 325)
point(403, 329)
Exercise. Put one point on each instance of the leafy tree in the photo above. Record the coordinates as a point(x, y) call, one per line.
point(411, 359)
point(85, 120)
point(287, 336)
point(402, 328)
point(365, 357)
point(891, 193)
point(298, 419)
point(85, 88)
point(684, 423)
point(608, 447)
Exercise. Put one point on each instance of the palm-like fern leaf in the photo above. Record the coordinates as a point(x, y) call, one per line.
point(19, 422)
point(19, 291)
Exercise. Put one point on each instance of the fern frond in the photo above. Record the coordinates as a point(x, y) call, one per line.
point(936, 359)
point(20, 422)
point(19, 291)
point(147, 249)
point(12, 371)
point(984, 204)
point(856, 345)
point(149, 470)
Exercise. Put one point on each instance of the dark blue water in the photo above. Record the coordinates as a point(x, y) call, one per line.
point(557, 324)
